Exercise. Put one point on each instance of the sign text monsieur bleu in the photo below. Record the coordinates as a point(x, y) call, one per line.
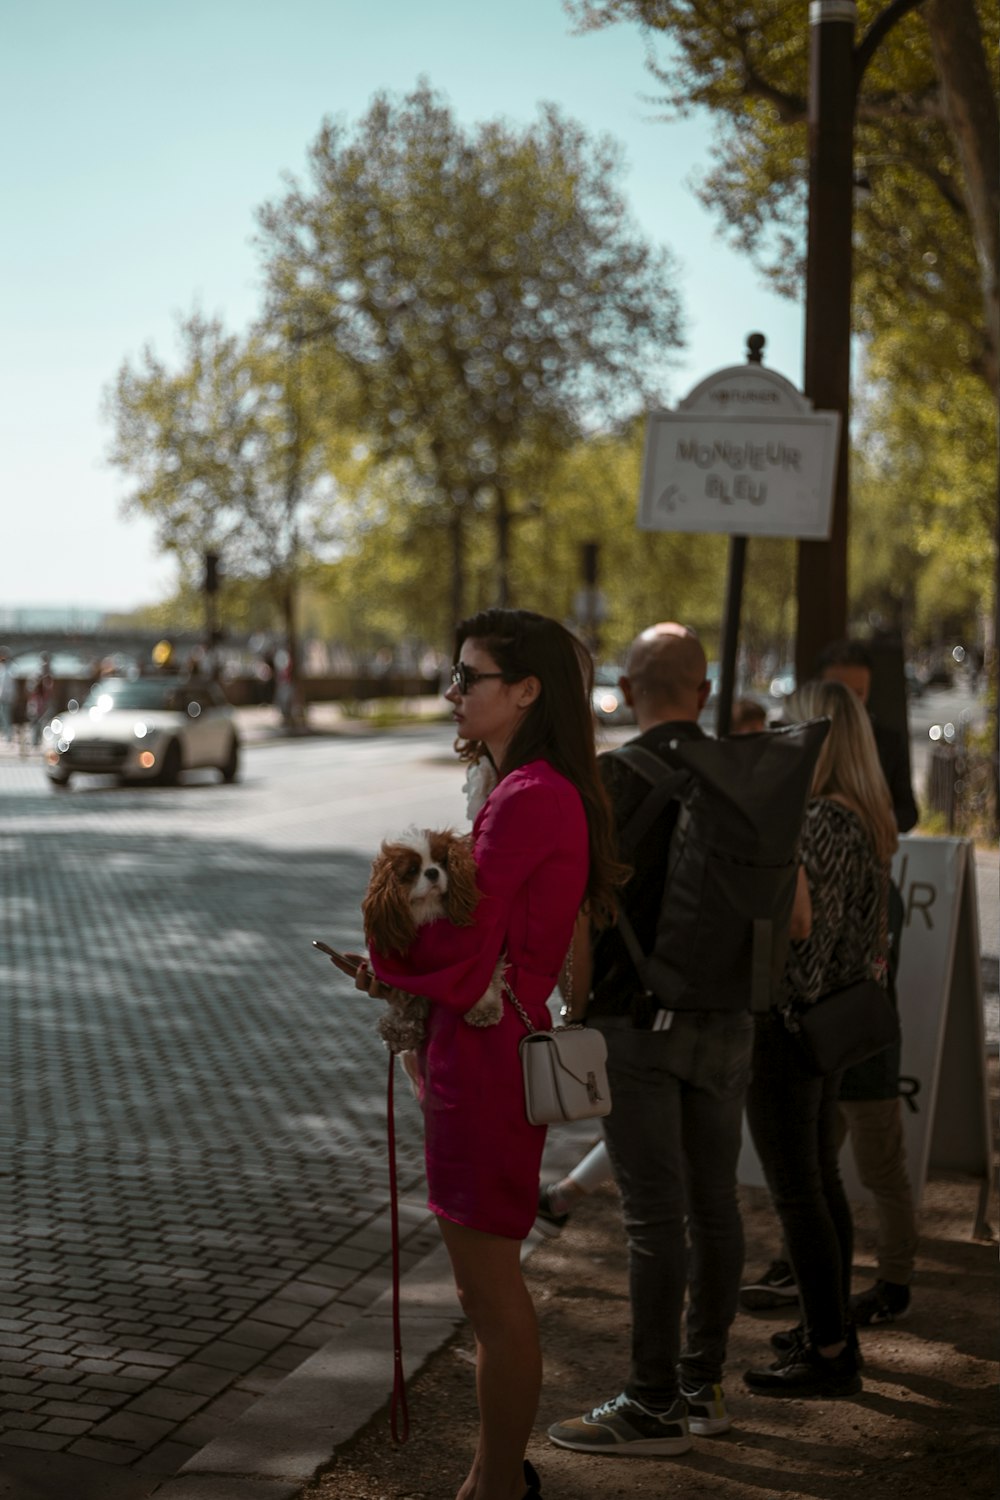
point(744, 453)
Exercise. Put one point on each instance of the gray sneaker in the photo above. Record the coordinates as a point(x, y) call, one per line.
point(707, 1413)
point(626, 1426)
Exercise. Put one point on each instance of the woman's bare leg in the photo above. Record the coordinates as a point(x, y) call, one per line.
point(495, 1299)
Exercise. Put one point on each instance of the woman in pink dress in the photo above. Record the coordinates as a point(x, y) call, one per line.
point(544, 846)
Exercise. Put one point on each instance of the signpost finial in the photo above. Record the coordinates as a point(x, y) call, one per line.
point(755, 348)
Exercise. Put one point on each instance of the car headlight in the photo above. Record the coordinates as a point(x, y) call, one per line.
point(140, 730)
point(607, 703)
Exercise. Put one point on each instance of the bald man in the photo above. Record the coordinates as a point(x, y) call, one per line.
point(678, 1081)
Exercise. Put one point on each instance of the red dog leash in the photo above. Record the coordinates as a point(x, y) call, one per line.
point(399, 1416)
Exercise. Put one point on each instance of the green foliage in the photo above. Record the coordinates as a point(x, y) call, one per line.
point(385, 588)
point(230, 453)
point(926, 244)
point(216, 451)
point(749, 65)
point(922, 548)
point(484, 287)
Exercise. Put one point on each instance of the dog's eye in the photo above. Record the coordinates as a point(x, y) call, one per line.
point(412, 871)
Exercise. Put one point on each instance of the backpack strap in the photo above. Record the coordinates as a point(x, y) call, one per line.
point(666, 782)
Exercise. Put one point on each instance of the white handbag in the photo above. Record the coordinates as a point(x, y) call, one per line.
point(565, 1071)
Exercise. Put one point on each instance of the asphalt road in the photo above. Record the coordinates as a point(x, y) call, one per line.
point(193, 1186)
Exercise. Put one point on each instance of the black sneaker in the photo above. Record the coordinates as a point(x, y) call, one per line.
point(787, 1339)
point(551, 1222)
point(776, 1288)
point(885, 1302)
point(788, 1343)
point(804, 1372)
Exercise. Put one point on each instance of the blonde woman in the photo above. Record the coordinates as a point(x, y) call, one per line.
point(839, 936)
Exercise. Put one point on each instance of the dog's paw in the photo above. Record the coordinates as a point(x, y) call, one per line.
point(411, 1067)
point(485, 1012)
point(401, 1032)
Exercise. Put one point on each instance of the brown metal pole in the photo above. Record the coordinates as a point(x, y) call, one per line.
point(822, 566)
point(731, 633)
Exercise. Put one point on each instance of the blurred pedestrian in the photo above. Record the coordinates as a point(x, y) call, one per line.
point(41, 699)
point(748, 717)
point(8, 696)
point(557, 1200)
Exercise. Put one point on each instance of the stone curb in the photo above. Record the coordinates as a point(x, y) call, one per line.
point(276, 1447)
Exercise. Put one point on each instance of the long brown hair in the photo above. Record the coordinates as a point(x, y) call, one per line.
point(848, 764)
point(558, 727)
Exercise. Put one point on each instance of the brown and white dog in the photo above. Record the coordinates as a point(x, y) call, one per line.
point(416, 878)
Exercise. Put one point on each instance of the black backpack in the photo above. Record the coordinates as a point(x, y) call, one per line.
point(722, 933)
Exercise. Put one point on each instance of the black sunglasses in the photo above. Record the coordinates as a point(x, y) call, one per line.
point(465, 678)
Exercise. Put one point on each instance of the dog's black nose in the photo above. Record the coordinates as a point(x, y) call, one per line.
point(432, 873)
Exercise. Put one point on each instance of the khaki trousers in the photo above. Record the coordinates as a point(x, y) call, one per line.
point(876, 1130)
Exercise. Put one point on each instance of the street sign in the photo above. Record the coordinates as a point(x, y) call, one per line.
point(744, 454)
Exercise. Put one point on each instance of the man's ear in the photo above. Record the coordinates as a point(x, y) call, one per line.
point(704, 693)
point(625, 683)
point(530, 688)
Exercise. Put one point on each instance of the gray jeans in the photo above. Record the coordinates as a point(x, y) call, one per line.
point(674, 1136)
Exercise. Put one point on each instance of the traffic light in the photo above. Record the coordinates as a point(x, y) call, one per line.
point(211, 572)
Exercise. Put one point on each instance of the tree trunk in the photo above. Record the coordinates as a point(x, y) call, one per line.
point(970, 109)
point(821, 587)
point(503, 548)
point(292, 702)
point(457, 529)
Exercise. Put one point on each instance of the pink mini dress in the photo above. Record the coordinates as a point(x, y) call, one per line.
point(532, 859)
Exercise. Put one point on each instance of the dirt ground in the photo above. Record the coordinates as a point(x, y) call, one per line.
point(925, 1424)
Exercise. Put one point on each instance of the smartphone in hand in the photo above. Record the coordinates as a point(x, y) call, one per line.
point(346, 965)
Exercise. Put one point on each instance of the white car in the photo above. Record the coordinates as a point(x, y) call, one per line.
point(607, 699)
point(144, 729)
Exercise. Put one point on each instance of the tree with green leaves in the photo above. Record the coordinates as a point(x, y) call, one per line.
point(925, 505)
point(487, 292)
point(224, 454)
point(927, 158)
point(927, 150)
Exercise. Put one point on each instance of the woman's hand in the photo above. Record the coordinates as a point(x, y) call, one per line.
point(365, 978)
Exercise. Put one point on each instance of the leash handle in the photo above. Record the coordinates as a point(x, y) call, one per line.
point(399, 1415)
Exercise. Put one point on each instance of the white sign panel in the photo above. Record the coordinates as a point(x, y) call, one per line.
point(743, 454)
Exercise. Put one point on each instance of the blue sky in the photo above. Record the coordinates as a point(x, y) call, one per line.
point(143, 134)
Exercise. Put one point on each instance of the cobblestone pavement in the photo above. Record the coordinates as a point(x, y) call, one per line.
point(193, 1192)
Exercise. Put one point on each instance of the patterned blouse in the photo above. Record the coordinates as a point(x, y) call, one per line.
point(848, 887)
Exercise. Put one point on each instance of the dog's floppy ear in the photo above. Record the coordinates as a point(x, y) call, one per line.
point(386, 910)
point(462, 896)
